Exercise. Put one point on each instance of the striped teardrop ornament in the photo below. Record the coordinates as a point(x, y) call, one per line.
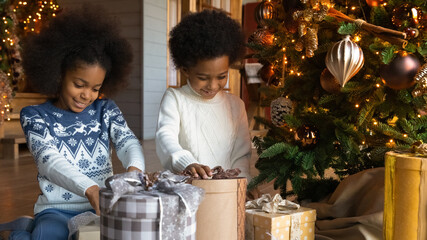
point(344, 59)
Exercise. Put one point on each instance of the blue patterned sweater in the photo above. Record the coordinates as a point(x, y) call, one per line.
point(72, 150)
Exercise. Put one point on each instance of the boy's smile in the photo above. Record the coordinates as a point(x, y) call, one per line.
point(80, 87)
point(208, 77)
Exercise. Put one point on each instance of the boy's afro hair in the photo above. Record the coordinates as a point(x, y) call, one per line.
point(72, 39)
point(206, 35)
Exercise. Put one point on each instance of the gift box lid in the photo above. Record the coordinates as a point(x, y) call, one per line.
point(219, 185)
point(274, 221)
point(409, 161)
point(139, 205)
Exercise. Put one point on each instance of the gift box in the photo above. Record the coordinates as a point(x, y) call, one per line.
point(160, 205)
point(137, 215)
point(88, 232)
point(221, 215)
point(405, 203)
point(286, 225)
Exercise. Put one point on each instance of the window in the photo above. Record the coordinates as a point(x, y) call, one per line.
point(178, 8)
point(216, 4)
point(174, 9)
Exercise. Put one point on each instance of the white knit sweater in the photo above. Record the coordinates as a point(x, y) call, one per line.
point(211, 132)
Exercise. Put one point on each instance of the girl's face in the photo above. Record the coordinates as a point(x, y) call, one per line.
point(80, 87)
point(208, 77)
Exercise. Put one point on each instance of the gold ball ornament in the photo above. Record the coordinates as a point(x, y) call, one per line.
point(307, 136)
point(344, 60)
point(329, 83)
point(407, 15)
point(279, 107)
point(265, 10)
point(421, 80)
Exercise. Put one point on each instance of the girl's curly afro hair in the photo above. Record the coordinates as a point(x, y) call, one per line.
point(77, 37)
point(206, 35)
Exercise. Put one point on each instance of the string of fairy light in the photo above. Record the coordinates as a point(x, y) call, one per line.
point(45, 8)
point(283, 63)
point(18, 19)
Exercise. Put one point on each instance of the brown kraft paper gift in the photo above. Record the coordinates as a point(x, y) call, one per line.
point(221, 215)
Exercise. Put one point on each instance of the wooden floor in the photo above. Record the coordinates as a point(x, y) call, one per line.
point(18, 181)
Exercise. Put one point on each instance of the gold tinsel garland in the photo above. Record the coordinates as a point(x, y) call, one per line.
point(308, 20)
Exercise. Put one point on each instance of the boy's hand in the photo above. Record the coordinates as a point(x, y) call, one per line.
point(197, 170)
point(132, 168)
point(92, 194)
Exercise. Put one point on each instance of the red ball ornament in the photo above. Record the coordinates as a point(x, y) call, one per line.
point(400, 72)
point(407, 15)
point(411, 33)
point(266, 72)
point(374, 3)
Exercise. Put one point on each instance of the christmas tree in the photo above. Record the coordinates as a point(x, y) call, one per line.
point(346, 82)
point(18, 19)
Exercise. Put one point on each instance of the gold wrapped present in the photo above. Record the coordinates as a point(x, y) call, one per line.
point(280, 224)
point(405, 206)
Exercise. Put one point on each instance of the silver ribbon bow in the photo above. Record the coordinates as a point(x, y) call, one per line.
point(171, 226)
point(271, 205)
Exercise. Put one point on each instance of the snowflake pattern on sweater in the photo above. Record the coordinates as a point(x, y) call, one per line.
point(72, 150)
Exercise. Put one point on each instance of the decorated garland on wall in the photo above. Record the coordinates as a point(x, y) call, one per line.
point(18, 19)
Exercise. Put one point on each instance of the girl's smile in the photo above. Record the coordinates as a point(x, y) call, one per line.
point(80, 87)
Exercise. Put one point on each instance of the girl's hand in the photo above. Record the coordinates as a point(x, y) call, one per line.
point(92, 194)
point(197, 170)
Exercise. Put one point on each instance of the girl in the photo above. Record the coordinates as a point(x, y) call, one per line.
point(199, 125)
point(76, 59)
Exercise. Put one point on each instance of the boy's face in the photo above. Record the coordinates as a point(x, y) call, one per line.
point(208, 77)
point(80, 87)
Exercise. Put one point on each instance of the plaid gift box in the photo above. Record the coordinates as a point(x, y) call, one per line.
point(137, 216)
